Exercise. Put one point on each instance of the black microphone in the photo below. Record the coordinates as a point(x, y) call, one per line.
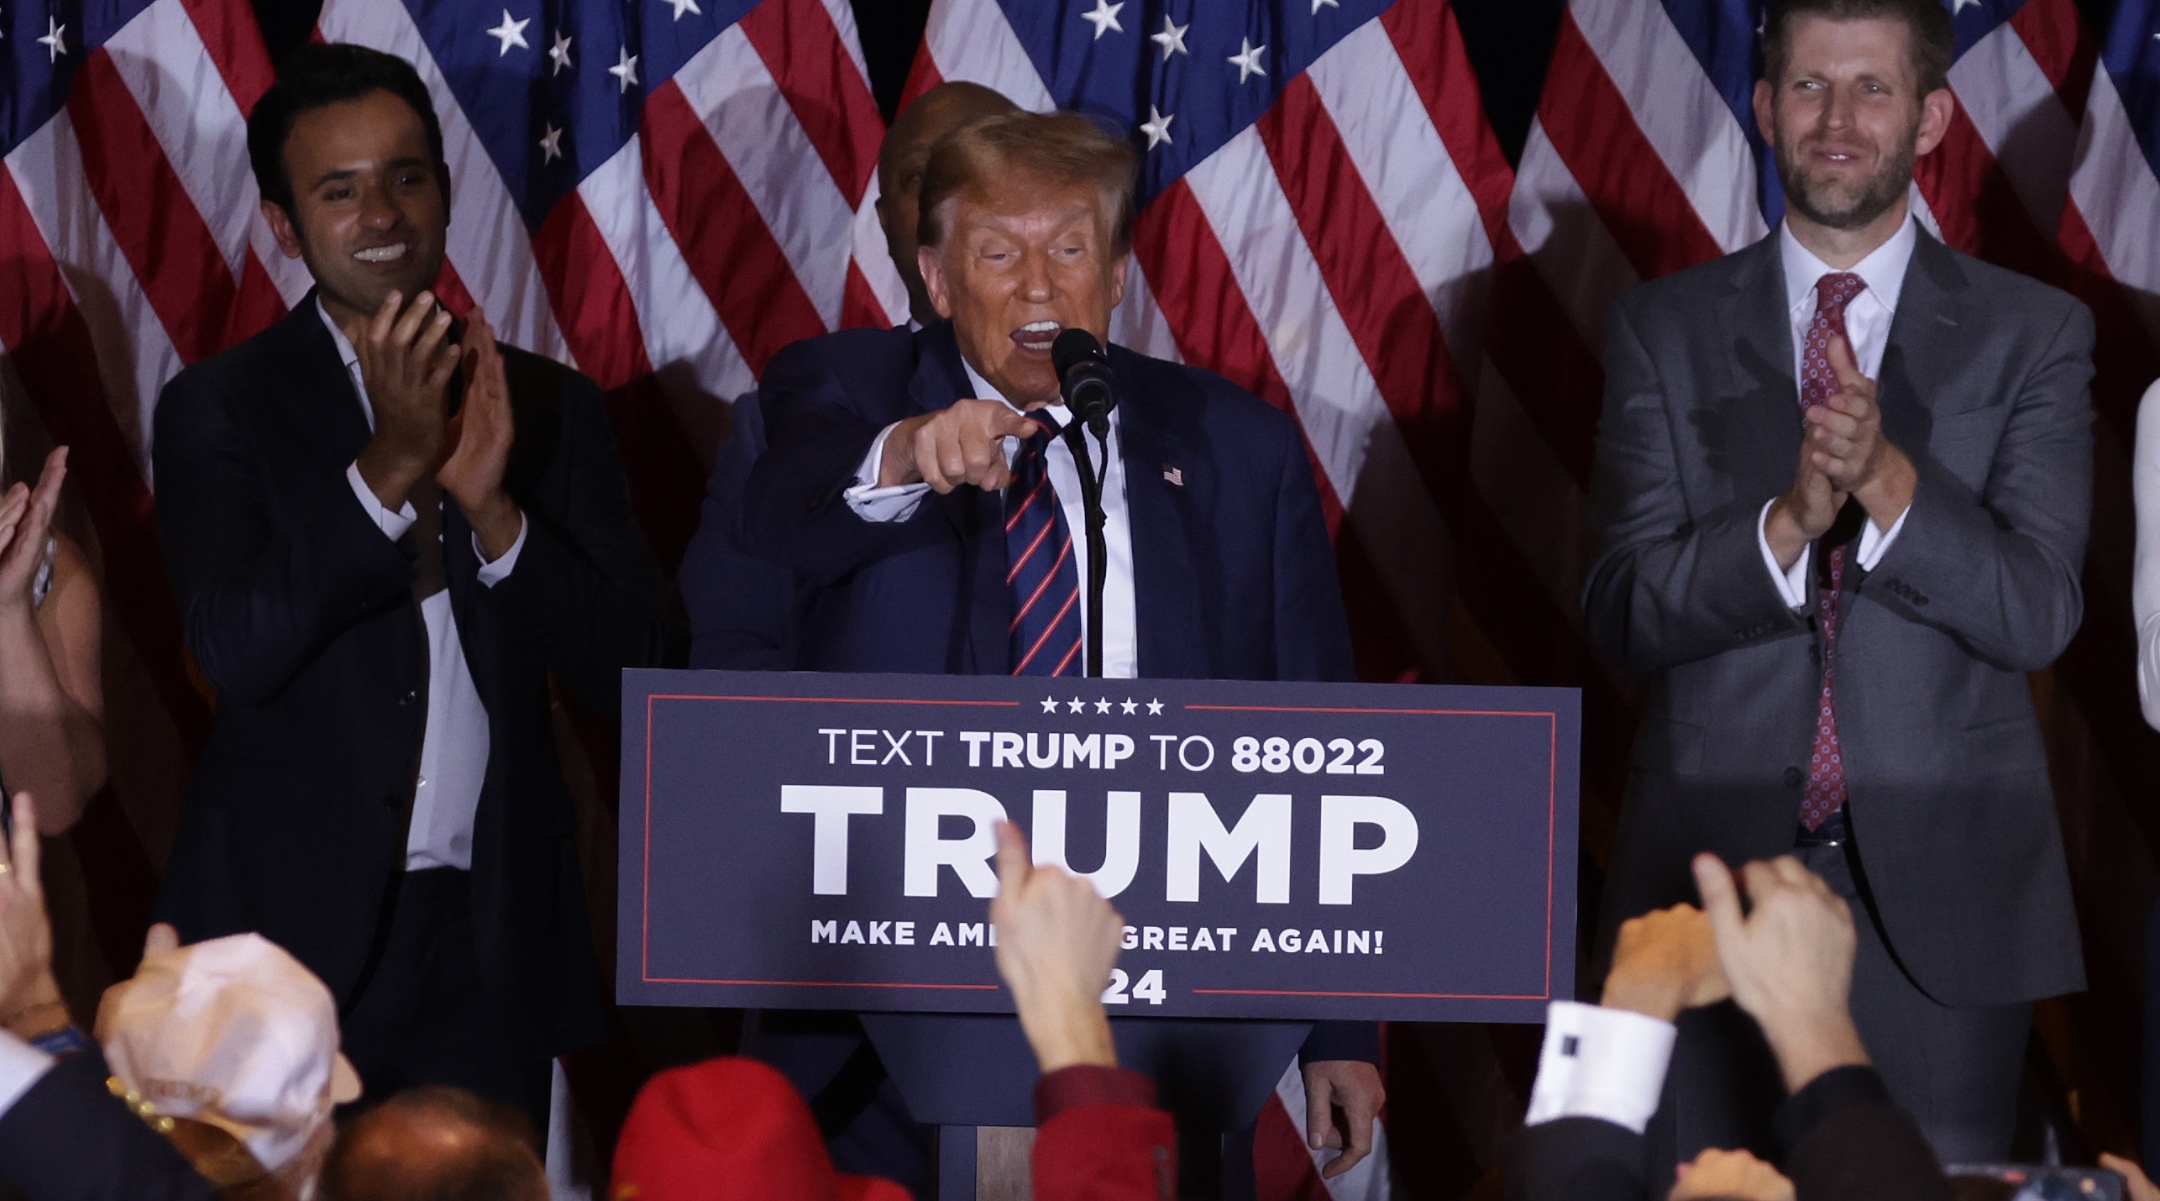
point(1084, 379)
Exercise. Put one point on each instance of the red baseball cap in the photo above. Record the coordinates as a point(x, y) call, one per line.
point(730, 1128)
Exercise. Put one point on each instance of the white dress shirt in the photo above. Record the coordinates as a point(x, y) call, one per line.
point(1121, 646)
point(1600, 1063)
point(454, 747)
point(1867, 328)
point(21, 1066)
point(2145, 576)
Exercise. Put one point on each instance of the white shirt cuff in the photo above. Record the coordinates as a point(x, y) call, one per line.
point(496, 572)
point(1600, 1063)
point(21, 1066)
point(1874, 542)
point(872, 503)
point(393, 525)
point(1792, 585)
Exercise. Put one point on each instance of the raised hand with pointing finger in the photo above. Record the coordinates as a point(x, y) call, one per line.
point(961, 444)
point(1789, 960)
point(1056, 941)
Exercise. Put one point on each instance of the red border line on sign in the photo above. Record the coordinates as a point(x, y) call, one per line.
point(1407, 996)
point(825, 700)
point(645, 916)
point(1551, 844)
point(824, 984)
point(1408, 712)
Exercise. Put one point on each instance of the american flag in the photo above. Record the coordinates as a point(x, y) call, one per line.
point(661, 194)
point(1322, 203)
point(1329, 221)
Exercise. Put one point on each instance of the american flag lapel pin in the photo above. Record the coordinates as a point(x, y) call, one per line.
point(1174, 476)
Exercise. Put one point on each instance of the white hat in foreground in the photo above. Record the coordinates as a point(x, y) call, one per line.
point(233, 1032)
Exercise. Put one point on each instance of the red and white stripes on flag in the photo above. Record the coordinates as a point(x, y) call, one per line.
point(1336, 258)
point(739, 218)
point(130, 247)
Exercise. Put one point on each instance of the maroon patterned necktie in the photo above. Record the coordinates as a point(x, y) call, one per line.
point(1825, 791)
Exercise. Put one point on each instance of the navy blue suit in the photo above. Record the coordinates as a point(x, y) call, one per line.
point(1233, 573)
point(301, 615)
point(744, 611)
point(69, 1139)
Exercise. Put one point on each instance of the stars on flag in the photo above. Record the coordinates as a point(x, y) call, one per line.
point(559, 54)
point(55, 39)
point(551, 144)
point(1247, 60)
point(1171, 39)
point(625, 68)
point(1317, 5)
point(1104, 18)
point(1962, 5)
point(1156, 127)
point(510, 33)
point(685, 6)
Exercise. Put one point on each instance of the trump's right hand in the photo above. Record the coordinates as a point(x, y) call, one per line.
point(962, 444)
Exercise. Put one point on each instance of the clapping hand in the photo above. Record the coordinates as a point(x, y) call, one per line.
point(406, 359)
point(26, 517)
point(477, 440)
point(1845, 442)
point(30, 1003)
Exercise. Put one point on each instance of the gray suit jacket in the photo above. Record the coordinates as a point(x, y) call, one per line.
point(1984, 386)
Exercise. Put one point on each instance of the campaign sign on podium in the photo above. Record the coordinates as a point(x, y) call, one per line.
point(1284, 850)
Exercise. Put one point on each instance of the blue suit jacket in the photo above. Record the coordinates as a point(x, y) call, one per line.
point(1233, 573)
point(743, 610)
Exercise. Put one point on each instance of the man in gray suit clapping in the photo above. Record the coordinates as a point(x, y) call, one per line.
point(1842, 490)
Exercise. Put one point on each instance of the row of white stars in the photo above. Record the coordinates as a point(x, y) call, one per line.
point(1105, 20)
point(511, 35)
point(1172, 40)
point(1104, 705)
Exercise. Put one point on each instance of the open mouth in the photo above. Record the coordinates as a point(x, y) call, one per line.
point(383, 254)
point(1036, 336)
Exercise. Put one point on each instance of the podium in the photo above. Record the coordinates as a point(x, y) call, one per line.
point(1281, 853)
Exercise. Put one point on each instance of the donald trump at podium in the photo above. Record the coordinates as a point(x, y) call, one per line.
point(916, 480)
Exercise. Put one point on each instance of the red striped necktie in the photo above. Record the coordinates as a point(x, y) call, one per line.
point(1045, 581)
point(1825, 790)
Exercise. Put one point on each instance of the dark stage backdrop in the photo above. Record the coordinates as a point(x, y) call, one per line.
point(1457, 1091)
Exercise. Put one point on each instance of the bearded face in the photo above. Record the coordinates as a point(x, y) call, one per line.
point(1847, 178)
point(1847, 120)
